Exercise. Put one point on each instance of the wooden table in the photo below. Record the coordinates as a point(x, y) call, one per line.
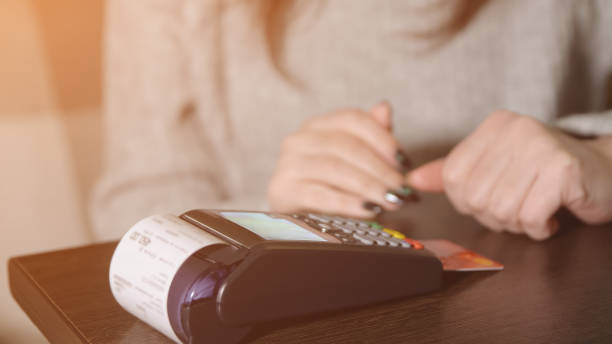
point(557, 291)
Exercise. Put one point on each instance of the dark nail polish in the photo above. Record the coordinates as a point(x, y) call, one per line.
point(373, 207)
point(407, 193)
point(392, 197)
point(403, 160)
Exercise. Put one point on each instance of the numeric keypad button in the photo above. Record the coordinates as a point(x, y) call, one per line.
point(378, 240)
point(363, 239)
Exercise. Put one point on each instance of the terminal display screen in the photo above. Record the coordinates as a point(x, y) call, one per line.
point(271, 228)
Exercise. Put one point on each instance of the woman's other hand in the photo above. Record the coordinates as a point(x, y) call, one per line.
point(513, 173)
point(346, 162)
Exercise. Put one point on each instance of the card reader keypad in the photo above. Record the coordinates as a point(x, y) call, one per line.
point(353, 231)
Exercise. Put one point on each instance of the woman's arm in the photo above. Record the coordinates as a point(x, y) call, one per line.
point(513, 173)
point(158, 157)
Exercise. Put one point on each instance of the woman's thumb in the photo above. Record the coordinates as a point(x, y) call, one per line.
point(427, 177)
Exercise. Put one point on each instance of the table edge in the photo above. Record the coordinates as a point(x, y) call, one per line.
point(36, 304)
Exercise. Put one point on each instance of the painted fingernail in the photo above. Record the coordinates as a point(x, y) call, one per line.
point(373, 207)
point(405, 191)
point(392, 197)
point(408, 193)
point(403, 161)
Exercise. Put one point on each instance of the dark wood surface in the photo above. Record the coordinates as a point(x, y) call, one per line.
point(557, 291)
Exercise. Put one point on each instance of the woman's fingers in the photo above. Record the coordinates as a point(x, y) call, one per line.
point(338, 174)
point(428, 177)
point(543, 200)
point(513, 173)
point(510, 193)
point(464, 159)
point(347, 156)
point(347, 148)
point(363, 126)
point(312, 196)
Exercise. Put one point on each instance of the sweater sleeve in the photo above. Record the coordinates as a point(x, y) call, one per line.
point(589, 124)
point(594, 20)
point(158, 157)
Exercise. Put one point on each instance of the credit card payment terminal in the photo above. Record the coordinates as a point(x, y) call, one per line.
point(209, 276)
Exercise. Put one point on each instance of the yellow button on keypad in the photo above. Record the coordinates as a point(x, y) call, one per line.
point(394, 233)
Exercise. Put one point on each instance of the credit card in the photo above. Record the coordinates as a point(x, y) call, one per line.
point(457, 258)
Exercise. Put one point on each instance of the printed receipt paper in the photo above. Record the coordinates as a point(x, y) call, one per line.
point(457, 258)
point(145, 262)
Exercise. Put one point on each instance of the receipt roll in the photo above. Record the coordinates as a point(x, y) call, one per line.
point(163, 267)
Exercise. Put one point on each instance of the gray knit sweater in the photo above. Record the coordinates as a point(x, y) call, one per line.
point(195, 111)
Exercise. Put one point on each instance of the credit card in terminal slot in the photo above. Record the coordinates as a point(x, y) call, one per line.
point(457, 258)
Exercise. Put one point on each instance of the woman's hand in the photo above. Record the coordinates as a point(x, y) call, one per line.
point(513, 173)
point(346, 162)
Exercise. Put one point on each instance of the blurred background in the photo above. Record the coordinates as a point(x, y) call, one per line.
point(50, 134)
